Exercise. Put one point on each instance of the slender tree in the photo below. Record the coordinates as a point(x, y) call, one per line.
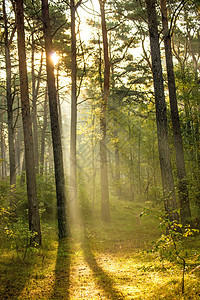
point(35, 90)
point(44, 127)
point(63, 225)
point(105, 209)
point(73, 130)
point(161, 116)
point(33, 208)
point(185, 212)
point(9, 97)
point(2, 141)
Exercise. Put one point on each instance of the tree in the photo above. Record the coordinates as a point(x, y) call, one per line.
point(33, 208)
point(35, 89)
point(9, 96)
point(105, 209)
point(185, 212)
point(73, 131)
point(63, 226)
point(44, 127)
point(161, 116)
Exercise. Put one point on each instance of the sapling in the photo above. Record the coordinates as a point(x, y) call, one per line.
point(171, 245)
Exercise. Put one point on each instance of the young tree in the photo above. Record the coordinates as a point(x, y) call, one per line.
point(105, 209)
point(33, 208)
point(73, 175)
point(63, 225)
point(161, 116)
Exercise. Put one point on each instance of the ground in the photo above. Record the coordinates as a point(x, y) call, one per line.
point(112, 261)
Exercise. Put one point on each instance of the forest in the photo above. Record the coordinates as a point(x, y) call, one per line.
point(100, 149)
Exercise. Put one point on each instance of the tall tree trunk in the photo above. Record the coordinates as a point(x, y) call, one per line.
point(17, 151)
point(105, 207)
point(58, 99)
point(9, 102)
point(73, 171)
point(185, 212)
point(18, 140)
point(43, 134)
point(34, 218)
point(2, 137)
point(93, 160)
point(117, 171)
point(34, 103)
point(161, 116)
point(63, 226)
point(131, 164)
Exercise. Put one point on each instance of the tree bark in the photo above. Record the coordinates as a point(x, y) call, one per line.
point(161, 116)
point(18, 141)
point(185, 213)
point(117, 171)
point(73, 171)
point(43, 135)
point(34, 103)
point(9, 102)
point(2, 137)
point(63, 226)
point(33, 208)
point(105, 207)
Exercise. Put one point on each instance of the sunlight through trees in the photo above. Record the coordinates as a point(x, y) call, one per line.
point(99, 149)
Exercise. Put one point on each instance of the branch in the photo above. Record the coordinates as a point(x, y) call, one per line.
point(175, 16)
point(124, 54)
point(59, 28)
point(78, 4)
point(12, 35)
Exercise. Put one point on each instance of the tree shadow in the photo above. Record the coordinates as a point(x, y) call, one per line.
point(62, 271)
point(104, 281)
point(14, 275)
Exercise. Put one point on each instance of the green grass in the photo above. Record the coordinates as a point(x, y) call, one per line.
point(101, 262)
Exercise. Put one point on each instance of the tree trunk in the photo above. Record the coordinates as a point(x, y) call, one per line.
point(34, 218)
point(131, 165)
point(105, 207)
point(73, 171)
point(18, 141)
point(63, 226)
point(43, 135)
point(35, 90)
point(2, 137)
point(161, 116)
point(93, 160)
point(117, 171)
point(185, 212)
point(58, 99)
point(9, 103)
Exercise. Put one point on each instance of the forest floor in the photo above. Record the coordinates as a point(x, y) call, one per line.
point(101, 262)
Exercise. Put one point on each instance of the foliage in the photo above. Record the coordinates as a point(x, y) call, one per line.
point(17, 233)
point(46, 193)
point(172, 246)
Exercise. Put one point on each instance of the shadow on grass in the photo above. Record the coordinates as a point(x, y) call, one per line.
point(14, 277)
point(105, 282)
point(62, 271)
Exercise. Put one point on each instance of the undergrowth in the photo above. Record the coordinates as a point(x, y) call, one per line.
point(113, 261)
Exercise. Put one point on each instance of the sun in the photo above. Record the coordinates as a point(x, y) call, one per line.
point(55, 58)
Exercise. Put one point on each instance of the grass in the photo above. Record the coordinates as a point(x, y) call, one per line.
point(101, 262)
